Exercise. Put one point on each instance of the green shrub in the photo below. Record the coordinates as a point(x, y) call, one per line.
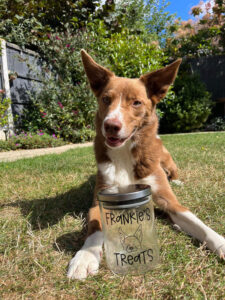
point(216, 124)
point(65, 105)
point(4, 105)
point(31, 141)
point(131, 55)
point(187, 107)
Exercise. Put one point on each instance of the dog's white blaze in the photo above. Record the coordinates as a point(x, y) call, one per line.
point(150, 180)
point(86, 261)
point(116, 114)
point(193, 226)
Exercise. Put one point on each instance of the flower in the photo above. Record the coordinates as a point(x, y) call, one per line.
point(75, 112)
point(57, 38)
point(88, 126)
point(54, 136)
point(67, 45)
point(40, 133)
point(43, 114)
point(49, 35)
point(60, 105)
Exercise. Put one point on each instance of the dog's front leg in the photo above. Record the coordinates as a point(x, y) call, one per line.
point(164, 197)
point(168, 164)
point(87, 259)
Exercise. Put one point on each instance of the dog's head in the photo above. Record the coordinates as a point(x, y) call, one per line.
point(125, 105)
point(132, 242)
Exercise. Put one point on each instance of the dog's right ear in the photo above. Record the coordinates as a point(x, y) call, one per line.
point(157, 82)
point(98, 76)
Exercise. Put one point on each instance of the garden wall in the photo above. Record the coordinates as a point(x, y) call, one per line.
point(26, 64)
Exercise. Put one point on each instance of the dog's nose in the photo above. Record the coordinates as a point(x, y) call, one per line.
point(112, 126)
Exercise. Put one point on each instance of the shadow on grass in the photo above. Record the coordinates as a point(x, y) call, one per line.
point(46, 212)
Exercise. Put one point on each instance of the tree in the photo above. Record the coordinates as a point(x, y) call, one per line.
point(203, 36)
point(29, 21)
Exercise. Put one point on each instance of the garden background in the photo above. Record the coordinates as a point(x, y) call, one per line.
point(130, 38)
point(44, 200)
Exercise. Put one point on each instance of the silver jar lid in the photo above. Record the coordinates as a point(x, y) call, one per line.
point(125, 197)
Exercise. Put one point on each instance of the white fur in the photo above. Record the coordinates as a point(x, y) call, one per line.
point(189, 223)
point(120, 170)
point(150, 180)
point(177, 182)
point(108, 171)
point(86, 261)
point(115, 114)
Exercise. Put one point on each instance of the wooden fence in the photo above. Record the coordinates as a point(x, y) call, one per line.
point(211, 70)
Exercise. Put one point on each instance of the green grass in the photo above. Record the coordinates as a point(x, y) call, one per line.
point(44, 202)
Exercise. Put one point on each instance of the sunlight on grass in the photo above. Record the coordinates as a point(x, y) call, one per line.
point(44, 202)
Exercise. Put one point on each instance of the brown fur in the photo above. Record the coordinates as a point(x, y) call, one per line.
point(151, 157)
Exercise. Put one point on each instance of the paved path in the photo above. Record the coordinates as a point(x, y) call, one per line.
point(19, 154)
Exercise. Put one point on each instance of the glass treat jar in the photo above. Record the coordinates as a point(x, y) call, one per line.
point(130, 239)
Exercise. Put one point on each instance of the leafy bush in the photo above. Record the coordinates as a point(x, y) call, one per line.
point(31, 141)
point(216, 124)
point(4, 105)
point(65, 105)
point(131, 55)
point(28, 22)
point(187, 107)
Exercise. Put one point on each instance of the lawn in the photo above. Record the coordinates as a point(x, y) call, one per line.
point(44, 202)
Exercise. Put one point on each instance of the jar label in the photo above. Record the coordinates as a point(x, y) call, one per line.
point(142, 257)
point(128, 217)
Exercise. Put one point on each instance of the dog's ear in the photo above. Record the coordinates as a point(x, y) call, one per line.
point(157, 82)
point(138, 234)
point(98, 76)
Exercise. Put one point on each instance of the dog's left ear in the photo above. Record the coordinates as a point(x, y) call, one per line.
point(157, 82)
point(98, 76)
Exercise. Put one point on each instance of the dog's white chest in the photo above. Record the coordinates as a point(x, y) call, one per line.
point(120, 170)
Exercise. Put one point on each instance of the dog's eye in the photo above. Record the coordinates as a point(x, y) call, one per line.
point(136, 103)
point(106, 100)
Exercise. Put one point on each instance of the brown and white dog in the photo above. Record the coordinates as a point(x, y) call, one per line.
point(128, 151)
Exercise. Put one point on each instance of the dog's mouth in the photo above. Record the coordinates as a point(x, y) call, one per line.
point(114, 141)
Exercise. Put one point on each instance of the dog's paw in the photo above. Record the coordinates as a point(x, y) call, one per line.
point(216, 243)
point(85, 262)
point(221, 251)
point(177, 182)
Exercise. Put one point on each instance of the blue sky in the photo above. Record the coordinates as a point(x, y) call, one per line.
point(181, 7)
